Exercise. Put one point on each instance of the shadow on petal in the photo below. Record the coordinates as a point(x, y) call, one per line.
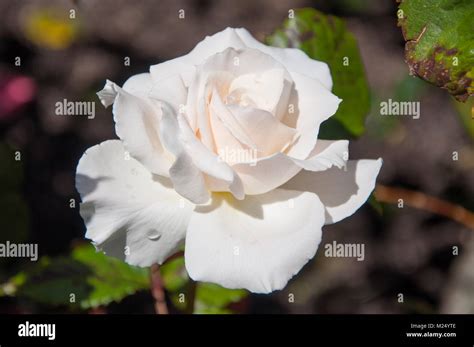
point(88, 184)
point(251, 205)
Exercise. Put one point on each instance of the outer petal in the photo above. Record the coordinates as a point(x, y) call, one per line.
point(265, 174)
point(187, 179)
point(181, 66)
point(137, 125)
point(137, 121)
point(313, 104)
point(326, 154)
point(258, 243)
point(129, 213)
point(293, 59)
point(342, 191)
point(262, 175)
point(185, 65)
point(172, 91)
point(139, 85)
point(108, 93)
point(227, 38)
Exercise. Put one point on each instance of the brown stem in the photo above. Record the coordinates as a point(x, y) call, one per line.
point(157, 290)
point(190, 296)
point(425, 202)
point(174, 256)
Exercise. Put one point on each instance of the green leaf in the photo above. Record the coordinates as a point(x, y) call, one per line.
point(440, 42)
point(383, 128)
point(325, 38)
point(409, 88)
point(380, 128)
point(175, 278)
point(93, 278)
point(376, 205)
point(210, 298)
point(174, 274)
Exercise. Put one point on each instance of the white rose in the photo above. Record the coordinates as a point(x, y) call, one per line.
point(219, 148)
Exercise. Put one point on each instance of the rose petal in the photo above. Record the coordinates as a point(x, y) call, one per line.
point(293, 59)
point(216, 73)
point(137, 125)
point(341, 191)
point(207, 161)
point(325, 155)
point(258, 243)
point(313, 104)
point(265, 130)
point(185, 65)
point(108, 93)
point(261, 90)
point(218, 42)
point(239, 62)
point(227, 145)
point(172, 91)
point(221, 115)
point(265, 174)
point(139, 85)
point(187, 179)
point(129, 213)
point(181, 66)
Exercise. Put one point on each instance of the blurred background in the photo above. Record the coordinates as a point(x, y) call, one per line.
point(46, 56)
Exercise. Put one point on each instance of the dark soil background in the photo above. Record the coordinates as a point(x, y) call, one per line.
point(408, 251)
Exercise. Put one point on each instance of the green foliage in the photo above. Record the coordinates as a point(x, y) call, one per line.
point(440, 41)
point(407, 89)
point(376, 205)
point(93, 279)
point(380, 128)
point(210, 298)
point(325, 38)
point(175, 279)
point(466, 114)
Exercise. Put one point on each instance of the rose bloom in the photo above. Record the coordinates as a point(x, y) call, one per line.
point(218, 149)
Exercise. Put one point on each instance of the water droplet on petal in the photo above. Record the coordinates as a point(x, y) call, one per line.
point(154, 237)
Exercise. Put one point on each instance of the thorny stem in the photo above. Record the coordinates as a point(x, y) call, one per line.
point(157, 290)
point(425, 202)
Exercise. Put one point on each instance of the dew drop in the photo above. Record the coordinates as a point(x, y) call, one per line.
point(154, 237)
